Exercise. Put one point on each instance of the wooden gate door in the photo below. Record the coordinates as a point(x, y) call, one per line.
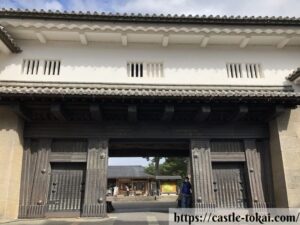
point(229, 185)
point(66, 189)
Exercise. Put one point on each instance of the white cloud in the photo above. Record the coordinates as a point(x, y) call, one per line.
point(84, 5)
point(32, 4)
point(214, 7)
point(54, 5)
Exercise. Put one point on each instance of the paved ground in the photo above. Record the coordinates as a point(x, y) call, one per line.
point(134, 213)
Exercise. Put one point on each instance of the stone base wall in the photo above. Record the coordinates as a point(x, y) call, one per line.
point(285, 154)
point(11, 152)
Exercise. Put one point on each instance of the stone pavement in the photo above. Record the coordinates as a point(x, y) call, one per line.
point(134, 213)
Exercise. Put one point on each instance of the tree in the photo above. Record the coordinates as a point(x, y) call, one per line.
point(171, 166)
point(154, 167)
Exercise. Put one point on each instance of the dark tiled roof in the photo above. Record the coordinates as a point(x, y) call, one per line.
point(134, 90)
point(294, 75)
point(8, 40)
point(127, 172)
point(168, 177)
point(146, 18)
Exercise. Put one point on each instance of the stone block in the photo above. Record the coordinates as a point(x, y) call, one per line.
point(285, 157)
point(11, 152)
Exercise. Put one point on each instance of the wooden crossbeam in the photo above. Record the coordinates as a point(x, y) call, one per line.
point(168, 113)
point(95, 112)
point(57, 112)
point(240, 113)
point(132, 113)
point(203, 113)
point(275, 112)
point(16, 107)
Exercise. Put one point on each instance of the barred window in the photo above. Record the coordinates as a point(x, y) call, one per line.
point(52, 67)
point(234, 70)
point(244, 70)
point(142, 69)
point(30, 66)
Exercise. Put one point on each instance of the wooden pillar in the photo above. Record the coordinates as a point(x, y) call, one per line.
point(25, 180)
point(96, 178)
point(39, 183)
point(188, 168)
point(253, 158)
point(202, 174)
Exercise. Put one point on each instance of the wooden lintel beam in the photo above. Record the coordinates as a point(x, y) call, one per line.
point(168, 113)
point(96, 113)
point(275, 112)
point(20, 112)
point(132, 113)
point(203, 113)
point(57, 112)
point(240, 113)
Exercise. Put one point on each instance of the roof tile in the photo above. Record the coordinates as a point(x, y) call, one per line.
point(117, 17)
point(294, 75)
point(9, 41)
point(217, 92)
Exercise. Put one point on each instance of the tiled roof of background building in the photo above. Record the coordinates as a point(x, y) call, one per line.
point(127, 172)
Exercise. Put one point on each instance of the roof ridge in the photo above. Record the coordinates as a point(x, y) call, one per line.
point(148, 92)
point(139, 17)
point(8, 40)
point(294, 75)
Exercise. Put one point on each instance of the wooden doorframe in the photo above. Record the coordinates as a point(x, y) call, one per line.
point(97, 148)
point(202, 159)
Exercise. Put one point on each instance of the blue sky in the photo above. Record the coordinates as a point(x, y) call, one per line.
point(128, 161)
point(214, 7)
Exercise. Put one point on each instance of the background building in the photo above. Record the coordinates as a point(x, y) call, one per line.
point(140, 183)
point(132, 178)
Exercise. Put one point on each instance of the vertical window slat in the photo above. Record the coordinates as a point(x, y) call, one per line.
point(141, 69)
point(28, 66)
point(237, 70)
point(240, 71)
point(37, 67)
point(49, 67)
point(58, 67)
point(45, 66)
point(32, 67)
point(128, 70)
point(54, 68)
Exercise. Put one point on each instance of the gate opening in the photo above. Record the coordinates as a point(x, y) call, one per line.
point(145, 187)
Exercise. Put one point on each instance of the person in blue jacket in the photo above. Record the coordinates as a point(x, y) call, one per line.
point(186, 193)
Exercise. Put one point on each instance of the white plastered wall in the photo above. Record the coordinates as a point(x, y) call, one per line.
point(183, 64)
